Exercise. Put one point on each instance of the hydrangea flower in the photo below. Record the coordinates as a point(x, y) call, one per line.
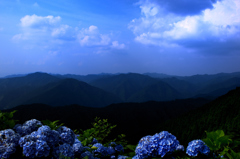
point(6, 149)
point(119, 148)
point(110, 150)
point(78, 147)
point(180, 147)
point(87, 153)
point(66, 135)
point(29, 149)
point(28, 127)
point(63, 150)
point(156, 145)
point(42, 149)
point(197, 146)
point(101, 150)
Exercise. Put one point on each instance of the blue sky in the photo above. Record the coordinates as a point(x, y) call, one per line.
point(177, 37)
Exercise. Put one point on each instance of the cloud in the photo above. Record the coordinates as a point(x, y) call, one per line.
point(116, 45)
point(35, 21)
point(219, 26)
point(184, 7)
point(92, 37)
point(47, 30)
point(64, 32)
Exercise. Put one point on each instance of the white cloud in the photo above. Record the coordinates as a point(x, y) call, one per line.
point(39, 21)
point(92, 37)
point(116, 45)
point(158, 27)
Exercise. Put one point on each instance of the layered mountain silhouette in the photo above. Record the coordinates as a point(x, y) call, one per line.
point(104, 89)
point(187, 119)
point(47, 89)
point(134, 87)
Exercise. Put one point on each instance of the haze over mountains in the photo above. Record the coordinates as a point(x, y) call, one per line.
point(105, 89)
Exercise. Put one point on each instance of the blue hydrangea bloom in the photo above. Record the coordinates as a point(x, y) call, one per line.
point(29, 149)
point(6, 149)
point(94, 141)
point(101, 151)
point(9, 136)
point(156, 145)
point(78, 147)
point(28, 127)
point(26, 138)
point(46, 134)
point(66, 135)
point(42, 149)
point(110, 150)
point(63, 150)
point(197, 146)
point(119, 148)
point(87, 153)
point(180, 147)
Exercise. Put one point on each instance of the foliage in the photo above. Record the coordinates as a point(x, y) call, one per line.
point(101, 129)
point(6, 121)
point(219, 143)
point(53, 125)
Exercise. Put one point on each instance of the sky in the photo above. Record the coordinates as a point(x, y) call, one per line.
point(175, 37)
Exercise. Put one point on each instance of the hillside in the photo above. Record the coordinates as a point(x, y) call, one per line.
point(131, 119)
point(221, 113)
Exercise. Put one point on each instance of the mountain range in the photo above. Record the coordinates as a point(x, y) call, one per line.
point(187, 119)
point(104, 89)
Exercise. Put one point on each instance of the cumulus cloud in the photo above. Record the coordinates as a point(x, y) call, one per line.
point(219, 25)
point(35, 21)
point(116, 45)
point(64, 32)
point(184, 7)
point(92, 37)
point(48, 29)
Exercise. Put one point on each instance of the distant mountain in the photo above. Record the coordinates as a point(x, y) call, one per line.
point(134, 87)
point(187, 89)
point(159, 91)
point(115, 88)
point(44, 88)
point(14, 91)
point(87, 78)
point(71, 91)
point(159, 75)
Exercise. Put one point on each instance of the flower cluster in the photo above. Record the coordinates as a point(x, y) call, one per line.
point(197, 146)
point(8, 142)
point(156, 145)
point(39, 140)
